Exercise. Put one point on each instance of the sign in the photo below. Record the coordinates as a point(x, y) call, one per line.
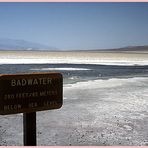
point(23, 93)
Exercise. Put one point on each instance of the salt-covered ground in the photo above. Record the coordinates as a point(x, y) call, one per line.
point(98, 112)
point(106, 58)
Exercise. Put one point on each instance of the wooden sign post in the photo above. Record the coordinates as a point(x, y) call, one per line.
point(28, 93)
point(29, 123)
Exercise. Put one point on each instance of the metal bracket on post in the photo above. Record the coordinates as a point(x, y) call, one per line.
point(29, 125)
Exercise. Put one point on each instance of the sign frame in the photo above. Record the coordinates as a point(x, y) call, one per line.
point(29, 89)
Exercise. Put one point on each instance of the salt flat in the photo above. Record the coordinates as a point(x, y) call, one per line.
point(108, 58)
point(99, 112)
point(111, 109)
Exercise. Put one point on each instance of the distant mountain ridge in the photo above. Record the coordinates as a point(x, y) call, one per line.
point(143, 48)
point(133, 48)
point(13, 44)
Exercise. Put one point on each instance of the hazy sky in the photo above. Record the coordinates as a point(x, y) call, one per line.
point(76, 25)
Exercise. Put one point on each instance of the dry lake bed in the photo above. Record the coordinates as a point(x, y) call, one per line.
point(105, 99)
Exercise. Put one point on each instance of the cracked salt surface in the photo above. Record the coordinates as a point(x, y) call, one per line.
point(99, 112)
